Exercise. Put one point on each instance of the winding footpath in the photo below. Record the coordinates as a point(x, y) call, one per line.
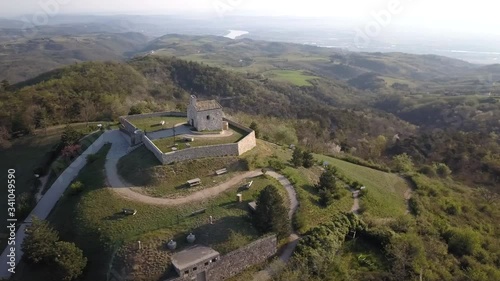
point(119, 149)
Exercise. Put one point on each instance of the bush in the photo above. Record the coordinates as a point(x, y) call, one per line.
point(463, 241)
point(427, 170)
point(76, 188)
point(276, 164)
point(415, 206)
point(442, 170)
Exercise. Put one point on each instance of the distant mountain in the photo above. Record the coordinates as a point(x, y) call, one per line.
point(24, 58)
point(415, 72)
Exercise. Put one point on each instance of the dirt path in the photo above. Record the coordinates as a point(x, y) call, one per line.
point(355, 204)
point(119, 186)
point(125, 191)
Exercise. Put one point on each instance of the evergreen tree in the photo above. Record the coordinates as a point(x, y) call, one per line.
point(297, 157)
point(308, 159)
point(271, 214)
point(255, 127)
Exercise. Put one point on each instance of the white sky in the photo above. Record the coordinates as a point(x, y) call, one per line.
point(460, 15)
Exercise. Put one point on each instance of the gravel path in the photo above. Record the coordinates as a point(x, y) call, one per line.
point(355, 204)
point(119, 149)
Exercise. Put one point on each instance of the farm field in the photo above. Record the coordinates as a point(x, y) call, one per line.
point(295, 77)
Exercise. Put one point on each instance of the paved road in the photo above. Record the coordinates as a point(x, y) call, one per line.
point(49, 200)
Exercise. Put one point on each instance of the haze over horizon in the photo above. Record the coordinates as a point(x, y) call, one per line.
point(479, 16)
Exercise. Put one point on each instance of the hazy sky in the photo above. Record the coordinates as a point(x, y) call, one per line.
point(455, 14)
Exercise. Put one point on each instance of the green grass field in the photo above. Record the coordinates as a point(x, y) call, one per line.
point(94, 221)
point(166, 144)
point(385, 191)
point(152, 124)
point(295, 77)
point(141, 168)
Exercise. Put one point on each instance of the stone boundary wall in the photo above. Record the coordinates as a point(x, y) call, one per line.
point(127, 126)
point(153, 148)
point(222, 150)
point(237, 261)
point(156, 114)
point(233, 149)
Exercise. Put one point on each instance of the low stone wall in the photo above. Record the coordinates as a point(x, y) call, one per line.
point(156, 114)
point(201, 152)
point(127, 126)
point(153, 148)
point(237, 261)
point(243, 258)
point(247, 143)
point(233, 149)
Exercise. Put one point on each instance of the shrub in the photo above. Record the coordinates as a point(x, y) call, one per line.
point(76, 187)
point(276, 164)
point(427, 170)
point(463, 241)
point(415, 206)
point(442, 170)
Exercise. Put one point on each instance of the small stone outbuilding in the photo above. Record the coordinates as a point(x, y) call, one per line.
point(194, 262)
point(205, 115)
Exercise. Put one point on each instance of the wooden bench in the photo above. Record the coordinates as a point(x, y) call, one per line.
point(199, 212)
point(221, 171)
point(248, 185)
point(194, 182)
point(129, 212)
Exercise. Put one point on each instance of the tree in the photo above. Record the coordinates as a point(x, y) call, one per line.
point(442, 170)
point(327, 180)
point(297, 157)
point(403, 163)
point(88, 111)
point(327, 187)
point(40, 240)
point(271, 214)
point(69, 261)
point(308, 159)
point(255, 127)
point(70, 136)
point(407, 255)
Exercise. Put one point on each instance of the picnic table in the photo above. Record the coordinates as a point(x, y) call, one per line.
point(194, 182)
point(221, 171)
